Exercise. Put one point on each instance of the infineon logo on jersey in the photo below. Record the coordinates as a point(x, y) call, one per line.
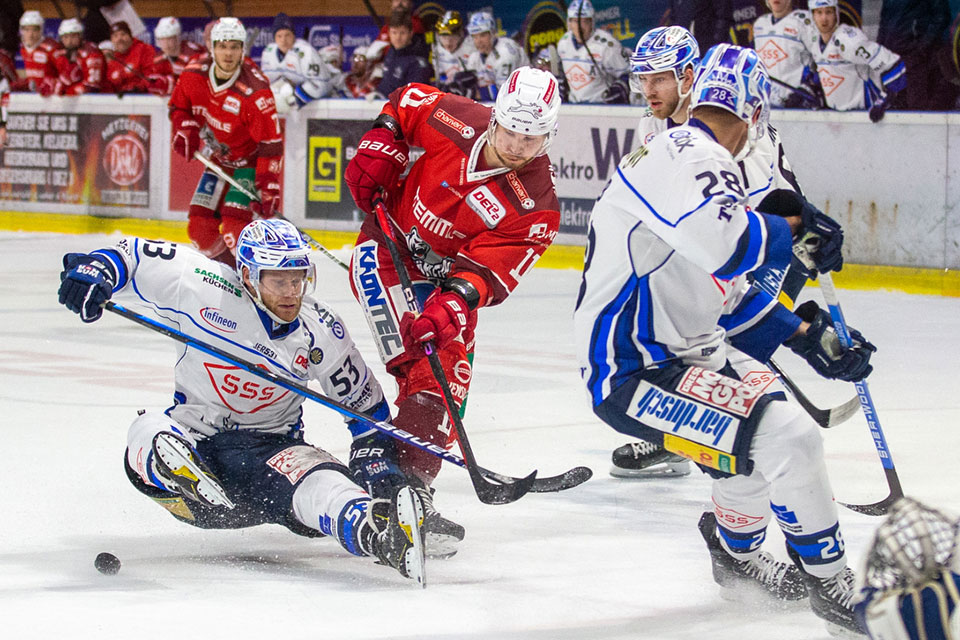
point(232, 105)
point(717, 390)
point(688, 419)
point(217, 320)
point(486, 205)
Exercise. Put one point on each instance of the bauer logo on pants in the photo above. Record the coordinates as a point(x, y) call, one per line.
point(689, 419)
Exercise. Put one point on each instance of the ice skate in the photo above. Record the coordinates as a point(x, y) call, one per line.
point(763, 573)
point(647, 460)
point(442, 535)
point(832, 599)
point(397, 539)
point(179, 465)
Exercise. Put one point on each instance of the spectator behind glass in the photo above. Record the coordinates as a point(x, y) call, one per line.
point(80, 64)
point(130, 66)
point(915, 29)
point(177, 51)
point(365, 73)
point(403, 63)
point(37, 53)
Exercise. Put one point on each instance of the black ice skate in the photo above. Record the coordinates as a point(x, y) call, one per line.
point(647, 460)
point(396, 534)
point(832, 598)
point(442, 535)
point(180, 466)
point(781, 580)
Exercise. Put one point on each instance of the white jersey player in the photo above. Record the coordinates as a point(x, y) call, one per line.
point(663, 69)
point(495, 58)
point(664, 307)
point(296, 71)
point(230, 451)
point(594, 62)
point(780, 38)
point(452, 49)
point(855, 72)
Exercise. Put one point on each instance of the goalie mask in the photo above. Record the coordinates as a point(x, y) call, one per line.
point(528, 103)
point(735, 79)
point(273, 245)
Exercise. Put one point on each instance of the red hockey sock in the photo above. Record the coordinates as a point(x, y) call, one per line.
point(424, 416)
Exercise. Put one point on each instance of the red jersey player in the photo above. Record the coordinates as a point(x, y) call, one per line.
point(176, 51)
point(232, 99)
point(130, 66)
point(37, 53)
point(475, 212)
point(80, 64)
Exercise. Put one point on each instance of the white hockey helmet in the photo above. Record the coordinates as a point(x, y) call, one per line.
point(664, 49)
point(734, 79)
point(481, 22)
point(70, 25)
point(31, 19)
point(824, 4)
point(168, 27)
point(529, 103)
point(228, 30)
point(273, 244)
point(580, 9)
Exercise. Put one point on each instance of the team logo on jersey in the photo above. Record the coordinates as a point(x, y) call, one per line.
point(262, 103)
point(717, 390)
point(829, 81)
point(232, 105)
point(40, 57)
point(759, 380)
point(462, 371)
point(486, 205)
point(525, 200)
point(294, 462)
point(213, 317)
point(772, 54)
point(578, 77)
point(465, 130)
point(731, 519)
point(239, 395)
point(316, 355)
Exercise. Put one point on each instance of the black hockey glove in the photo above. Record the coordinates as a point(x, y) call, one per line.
point(373, 463)
point(821, 348)
point(464, 83)
point(86, 282)
point(616, 93)
point(819, 243)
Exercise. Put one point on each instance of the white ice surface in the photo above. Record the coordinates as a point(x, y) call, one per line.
point(610, 559)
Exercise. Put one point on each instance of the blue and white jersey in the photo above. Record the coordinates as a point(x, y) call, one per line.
point(205, 300)
point(303, 68)
point(781, 45)
point(853, 69)
point(670, 241)
point(589, 77)
point(447, 64)
point(494, 68)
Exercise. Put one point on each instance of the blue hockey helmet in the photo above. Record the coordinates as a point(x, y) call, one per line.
point(481, 22)
point(664, 49)
point(734, 79)
point(274, 244)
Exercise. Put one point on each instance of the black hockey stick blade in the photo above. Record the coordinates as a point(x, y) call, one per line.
point(511, 491)
point(826, 418)
point(566, 480)
point(881, 508)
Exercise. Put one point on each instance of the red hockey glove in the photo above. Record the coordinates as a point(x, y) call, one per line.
point(49, 87)
point(377, 165)
point(186, 138)
point(443, 319)
point(268, 184)
point(160, 85)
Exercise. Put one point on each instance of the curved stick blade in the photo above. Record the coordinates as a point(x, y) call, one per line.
point(490, 493)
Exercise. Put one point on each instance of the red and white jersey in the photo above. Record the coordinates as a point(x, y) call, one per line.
point(38, 65)
point(240, 113)
point(781, 45)
point(134, 71)
point(457, 216)
point(80, 70)
point(188, 51)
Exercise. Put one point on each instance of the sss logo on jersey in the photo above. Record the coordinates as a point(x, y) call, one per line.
point(323, 177)
point(241, 392)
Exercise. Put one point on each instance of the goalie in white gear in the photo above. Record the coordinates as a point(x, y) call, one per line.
point(662, 69)
point(664, 308)
point(781, 37)
point(296, 71)
point(595, 64)
point(855, 72)
point(230, 452)
point(495, 58)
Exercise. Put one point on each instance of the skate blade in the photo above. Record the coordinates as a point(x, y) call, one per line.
point(662, 470)
point(440, 546)
point(410, 519)
point(753, 595)
point(179, 460)
point(838, 631)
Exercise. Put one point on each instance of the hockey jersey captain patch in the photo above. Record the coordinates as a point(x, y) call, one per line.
point(486, 205)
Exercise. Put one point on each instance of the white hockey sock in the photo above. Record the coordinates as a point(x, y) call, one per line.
point(319, 503)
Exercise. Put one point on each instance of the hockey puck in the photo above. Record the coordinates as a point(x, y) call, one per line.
point(107, 564)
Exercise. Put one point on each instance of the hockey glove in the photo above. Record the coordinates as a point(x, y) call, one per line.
point(444, 317)
point(464, 84)
point(879, 109)
point(373, 463)
point(378, 163)
point(86, 282)
point(821, 347)
point(820, 239)
point(186, 138)
point(616, 93)
point(268, 184)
